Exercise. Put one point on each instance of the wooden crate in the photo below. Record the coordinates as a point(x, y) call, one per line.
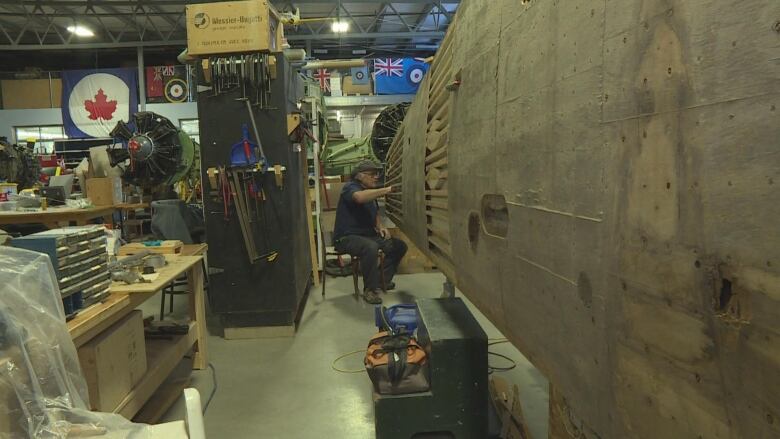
point(114, 362)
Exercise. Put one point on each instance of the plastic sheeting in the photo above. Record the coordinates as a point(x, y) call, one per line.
point(42, 391)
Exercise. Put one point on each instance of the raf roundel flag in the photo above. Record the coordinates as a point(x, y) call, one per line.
point(398, 75)
point(93, 101)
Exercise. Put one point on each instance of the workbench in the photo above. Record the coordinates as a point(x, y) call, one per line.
point(162, 355)
point(53, 216)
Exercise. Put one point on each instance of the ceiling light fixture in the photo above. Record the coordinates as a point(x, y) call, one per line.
point(80, 31)
point(340, 27)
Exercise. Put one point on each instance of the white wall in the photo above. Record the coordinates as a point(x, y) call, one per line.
point(19, 118)
point(175, 112)
point(53, 116)
point(355, 123)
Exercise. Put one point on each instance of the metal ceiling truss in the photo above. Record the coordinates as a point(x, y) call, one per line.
point(47, 22)
point(41, 24)
point(426, 25)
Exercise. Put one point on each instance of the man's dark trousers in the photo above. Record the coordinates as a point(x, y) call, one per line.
point(367, 249)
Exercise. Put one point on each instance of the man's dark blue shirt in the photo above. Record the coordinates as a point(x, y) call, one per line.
point(353, 218)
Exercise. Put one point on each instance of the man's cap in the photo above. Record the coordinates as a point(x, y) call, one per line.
point(365, 165)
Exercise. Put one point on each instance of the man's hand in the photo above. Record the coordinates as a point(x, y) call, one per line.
point(386, 190)
point(383, 232)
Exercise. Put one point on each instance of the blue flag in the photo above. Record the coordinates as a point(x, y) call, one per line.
point(93, 101)
point(398, 75)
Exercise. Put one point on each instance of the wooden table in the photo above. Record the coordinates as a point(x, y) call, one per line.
point(131, 206)
point(53, 216)
point(162, 355)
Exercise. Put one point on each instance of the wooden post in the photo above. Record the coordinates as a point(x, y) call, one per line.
point(198, 314)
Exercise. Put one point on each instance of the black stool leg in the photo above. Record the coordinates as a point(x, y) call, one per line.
point(355, 269)
point(382, 271)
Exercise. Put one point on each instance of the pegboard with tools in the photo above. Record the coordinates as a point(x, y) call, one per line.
point(250, 73)
point(256, 224)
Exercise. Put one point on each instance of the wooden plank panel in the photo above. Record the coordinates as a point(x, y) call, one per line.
point(635, 169)
point(436, 156)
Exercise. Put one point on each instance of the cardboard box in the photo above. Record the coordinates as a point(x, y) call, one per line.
point(104, 191)
point(114, 362)
point(31, 93)
point(351, 89)
point(330, 192)
point(328, 221)
point(233, 27)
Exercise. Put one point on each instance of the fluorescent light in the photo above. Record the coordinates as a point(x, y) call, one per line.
point(340, 26)
point(359, 52)
point(80, 31)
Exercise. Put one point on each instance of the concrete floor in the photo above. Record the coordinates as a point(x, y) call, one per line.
point(285, 388)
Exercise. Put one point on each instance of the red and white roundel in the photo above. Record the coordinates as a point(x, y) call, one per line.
point(98, 102)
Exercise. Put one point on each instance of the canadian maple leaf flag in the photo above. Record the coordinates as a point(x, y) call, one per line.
point(93, 101)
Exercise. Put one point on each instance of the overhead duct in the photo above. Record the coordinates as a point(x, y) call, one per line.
point(334, 64)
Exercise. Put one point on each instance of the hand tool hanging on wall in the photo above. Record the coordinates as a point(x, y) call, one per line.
point(256, 131)
point(226, 192)
point(243, 216)
point(259, 198)
point(252, 73)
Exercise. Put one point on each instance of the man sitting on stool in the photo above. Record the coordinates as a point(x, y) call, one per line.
point(359, 229)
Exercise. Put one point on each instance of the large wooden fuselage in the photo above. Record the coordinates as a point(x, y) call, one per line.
point(600, 177)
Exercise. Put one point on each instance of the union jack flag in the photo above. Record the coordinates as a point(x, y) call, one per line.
point(389, 67)
point(323, 75)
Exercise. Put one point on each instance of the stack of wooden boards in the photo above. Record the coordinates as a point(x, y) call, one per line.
point(168, 247)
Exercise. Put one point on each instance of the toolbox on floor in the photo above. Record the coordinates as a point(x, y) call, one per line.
point(456, 406)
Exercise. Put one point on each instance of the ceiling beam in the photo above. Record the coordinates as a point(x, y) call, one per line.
point(107, 45)
point(365, 35)
point(359, 101)
point(423, 16)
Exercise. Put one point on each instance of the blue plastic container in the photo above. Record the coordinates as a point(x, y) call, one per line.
point(399, 317)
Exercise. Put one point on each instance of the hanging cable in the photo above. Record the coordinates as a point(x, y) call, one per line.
point(213, 390)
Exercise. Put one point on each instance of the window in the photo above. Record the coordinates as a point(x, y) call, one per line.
point(191, 127)
point(43, 136)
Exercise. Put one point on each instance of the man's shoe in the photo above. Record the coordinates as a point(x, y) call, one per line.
point(372, 297)
point(390, 286)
